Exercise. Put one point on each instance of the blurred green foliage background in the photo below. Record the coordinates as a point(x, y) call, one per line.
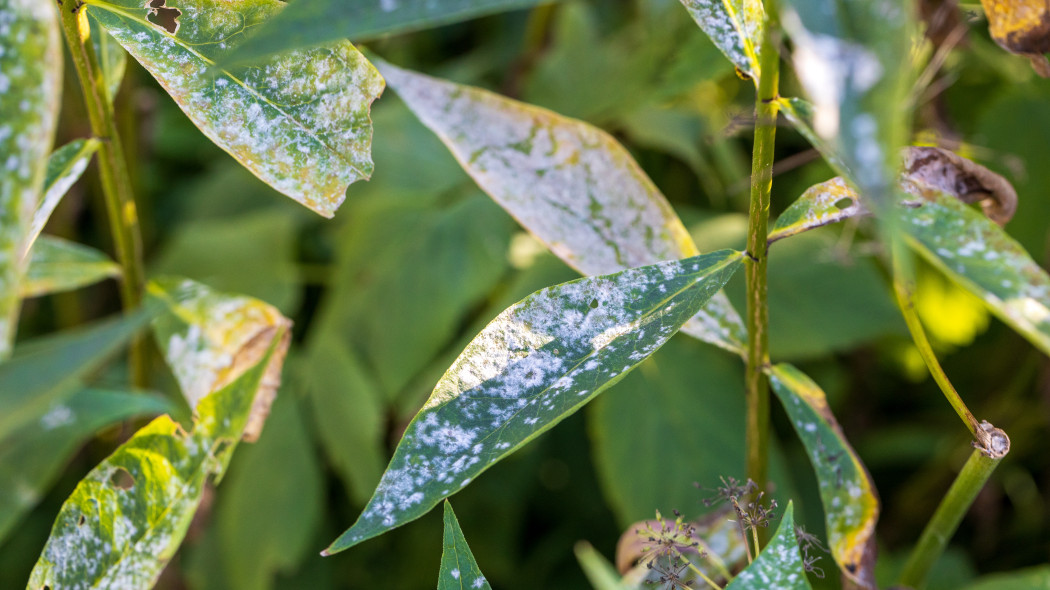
point(417, 260)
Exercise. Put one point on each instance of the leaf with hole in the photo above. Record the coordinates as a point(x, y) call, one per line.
point(735, 27)
point(125, 519)
point(30, 88)
point(209, 338)
point(568, 183)
point(57, 265)
point(537, 362)
point(851, 507)
point(32, 457)
point(779, 565)
point(459, 570)
point(299, 121)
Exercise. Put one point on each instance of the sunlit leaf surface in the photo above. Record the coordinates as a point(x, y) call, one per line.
point(60, 265)
point(568, 183)
point(47, 370)
point(32, 457)
point(30, 87)
point(537, 362)
point(299, 121)
point(851, 507)
point(735, 27)
point(310, 22)
point(779, 565)
point(459, 570)
point(821, 204)
point(126, 518)
point(64, 168)
point(210, 338)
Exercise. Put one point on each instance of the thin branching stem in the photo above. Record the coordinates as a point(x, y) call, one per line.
point(113, 172)
point(702, 575)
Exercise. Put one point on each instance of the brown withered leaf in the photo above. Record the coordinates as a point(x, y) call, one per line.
point(968, 181)
point(1022, 27)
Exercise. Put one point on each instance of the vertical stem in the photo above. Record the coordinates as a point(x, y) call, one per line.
point(946, 519)
point(116, 183)
point(757, 388)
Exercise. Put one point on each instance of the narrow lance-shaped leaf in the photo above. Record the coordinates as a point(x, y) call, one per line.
point(821, 204)
point(779, 565)
point(126, 518)
point(735, 27)
point(111, 57)
point(31, 458)
point(30, 87)
point(60, 265)
point(49, 369)
point(299, 121)
point(64, 168)
point(309, 22)
point(210, 338)
point(459, 570)
point(568, 183)
point(600, 573)
point(536, 363)
point(851, 508)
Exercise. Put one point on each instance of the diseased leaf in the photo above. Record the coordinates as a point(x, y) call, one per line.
point(821, 204)
point(735, 27)
point(47, 370)
point(210, 338)
point(568, 183)
point(537, 362)
point(299, 121)
point(30, 87)
point(851, 507)
point(459, 570)
point(1021, 27)
point(111, 57)
point(600, 573)
point(311, 22)
point(32, 457)
point(126, 518)
point(779, 565)
point(853, 60)
point(64, 168)
point(60, 265)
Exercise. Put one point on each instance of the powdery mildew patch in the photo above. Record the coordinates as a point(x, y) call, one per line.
point(568, 183)
point(299, 121)
point(536, 363)
point(822, 204)
point(734, 26)
point(30, 86)
point(779, 565)
point(851, 509)
point(64, 168)
point(459, 570)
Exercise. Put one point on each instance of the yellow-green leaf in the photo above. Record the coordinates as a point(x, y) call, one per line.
point(299, 121)
point(60, 265)
point(64, 168)
point(851, 507)
point(1021, 27)
point(735, 27)
point(568, 183)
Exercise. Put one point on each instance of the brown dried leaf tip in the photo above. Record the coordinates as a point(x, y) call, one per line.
point(1022, 27)
point(969, 182)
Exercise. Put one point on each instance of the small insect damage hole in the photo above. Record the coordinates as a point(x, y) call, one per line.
point(162, 16)
point(81, 520)
point(122, 479)
point(843, 203)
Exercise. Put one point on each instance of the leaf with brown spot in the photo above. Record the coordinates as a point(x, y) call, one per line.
point(1021, 27)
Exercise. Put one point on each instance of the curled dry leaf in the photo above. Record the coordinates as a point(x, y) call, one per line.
point(968, 181)
point(1021, 27)
point(209, 339)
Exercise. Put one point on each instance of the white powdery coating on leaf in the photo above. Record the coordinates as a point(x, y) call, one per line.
point(58, 415)
point(299, 120)
point(54, 192)
point(737, 34)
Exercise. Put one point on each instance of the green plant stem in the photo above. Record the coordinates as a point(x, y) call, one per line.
point(946, 519)
point(702, 575)
point(757, 388)
point(113, 171)
point(903, 286)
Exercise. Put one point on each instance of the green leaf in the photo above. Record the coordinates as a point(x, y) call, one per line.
point(458, 571)
point(310, 22)
point(801, 113)
point(570, 184)
point(735, 27)
point(51, 368)
point(779, 565)
point(1033, 578)
point(112, 58)
point(851, 507)
point(30, 88)
point(209, 338)
point(853, 59)
point(299, 121)
point(821, 204)
point(601, 574)
point(32, 457)
point(126, 518)
point(60, 265)
point(539, 361)
point(64, 168)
